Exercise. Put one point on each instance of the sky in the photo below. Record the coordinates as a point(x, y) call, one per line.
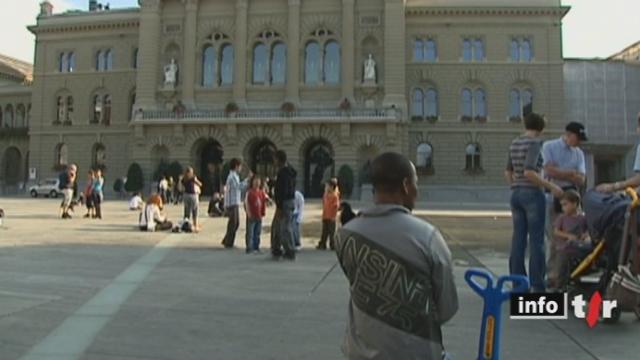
point(593, 28)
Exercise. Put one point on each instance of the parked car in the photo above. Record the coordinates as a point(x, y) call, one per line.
point(47, 187)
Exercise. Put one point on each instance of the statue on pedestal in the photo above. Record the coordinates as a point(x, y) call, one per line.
point(370, 70)
point(170, 73)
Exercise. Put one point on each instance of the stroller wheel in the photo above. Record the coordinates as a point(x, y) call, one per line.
point(615, 316)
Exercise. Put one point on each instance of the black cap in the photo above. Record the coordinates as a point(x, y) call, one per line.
point(578, 129)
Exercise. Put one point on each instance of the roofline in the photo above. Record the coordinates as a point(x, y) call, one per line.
point(637, 43)
point(487, 10)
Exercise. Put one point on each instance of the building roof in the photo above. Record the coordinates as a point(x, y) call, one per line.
point(621, 54)
point(483, 3)
point(17, 69)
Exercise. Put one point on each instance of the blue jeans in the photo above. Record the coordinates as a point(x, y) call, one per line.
point(254, 228)
point(528, 210)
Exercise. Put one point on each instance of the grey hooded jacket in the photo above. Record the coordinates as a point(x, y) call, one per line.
point(401, 283)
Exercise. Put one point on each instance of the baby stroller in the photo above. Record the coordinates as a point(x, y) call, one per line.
point(613, 267)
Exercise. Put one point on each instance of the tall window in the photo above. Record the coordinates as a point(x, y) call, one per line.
point(226, 65)
point(473, 49)
point(208, 66)
point(106, 116)
point(425, 50)
point(425, 104)
point(332, 62)
point(1, 123)
point(67, 62)
point(278, 63)
point(260, 66)
point(61, 109)
point(472, 158)
point(135, 60)
point(8, 116)
point(61, 155)
point(520, 104)
point(132, 103)
point(521, 50)
point(69, 112)
point(312, 63)
point(424, 157)
point(104, 60)
point(473, 104)
point(20, 115)
point(97, 109)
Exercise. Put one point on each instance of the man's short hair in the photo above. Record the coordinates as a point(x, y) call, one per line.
point(534, 121)
point(234, 163)
point(281, 156)
point(389, 170)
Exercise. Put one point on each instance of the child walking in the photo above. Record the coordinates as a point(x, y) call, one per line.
point(570, 233)
point(330, 206)
point(256, 208)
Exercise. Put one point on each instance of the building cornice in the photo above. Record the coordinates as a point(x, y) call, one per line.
point(487, 11)
point(87, 21)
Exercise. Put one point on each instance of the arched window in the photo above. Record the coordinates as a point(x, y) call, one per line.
point(63, 63)
point(467, 105)
point(527, 102)
point(8, 116)
point(430, 51)
point(480, 104)
point(97, 109)
point(278, 63)
point(514, 105)
point(20, 114)
point(108, 61)
point(61, 155)
point(69, 111)
point(100, 60)
point(226, 65)
point(424, 156)
point(417, 110)
point(208, 66)
point(61, 109)
point(71, 60)
point(472, 158)
point(106, 116)
point(418, 53)
point(526, 50)
point(332, 63)
point(135, 60)
point(312, 63)
point(431, 104)
point(467, 52)
point(259, 63)
point(515, 50)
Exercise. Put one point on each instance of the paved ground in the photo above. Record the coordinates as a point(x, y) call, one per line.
point(89, 289)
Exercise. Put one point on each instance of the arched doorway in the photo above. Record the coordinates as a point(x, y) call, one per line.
point(318, 167)
point(208, 159)
point(261, 161)
point(12, 167)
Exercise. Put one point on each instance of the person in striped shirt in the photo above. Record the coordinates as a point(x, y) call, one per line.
point(528, 204)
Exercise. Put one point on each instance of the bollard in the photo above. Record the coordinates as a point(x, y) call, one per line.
point(489, 347)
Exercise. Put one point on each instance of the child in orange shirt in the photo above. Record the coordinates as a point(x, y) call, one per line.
point(330, 206)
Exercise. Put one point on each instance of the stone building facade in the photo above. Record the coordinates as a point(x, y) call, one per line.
point(332, 82)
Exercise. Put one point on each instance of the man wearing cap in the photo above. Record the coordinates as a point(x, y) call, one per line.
point(565, 166)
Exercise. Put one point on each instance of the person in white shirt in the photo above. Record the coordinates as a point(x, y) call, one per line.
point(136, 202)
point(163, 188)
point(151, 217)
point(298, 210)
point(232, 201)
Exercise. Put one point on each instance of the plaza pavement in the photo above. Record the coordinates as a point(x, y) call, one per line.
point(89, 289)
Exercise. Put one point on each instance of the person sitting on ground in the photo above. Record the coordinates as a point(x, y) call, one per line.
point(570, 239)
point(136, 202)
point(330, 206)
point(384, 239)
point(152, 218)
point(216, 206)
point(346, 213)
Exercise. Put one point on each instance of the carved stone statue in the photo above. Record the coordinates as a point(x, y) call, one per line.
point(370, 69)
point(170, 73)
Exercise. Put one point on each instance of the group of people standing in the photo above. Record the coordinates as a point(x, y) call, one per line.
point(92, 196)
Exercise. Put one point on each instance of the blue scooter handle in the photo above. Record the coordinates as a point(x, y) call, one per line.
point(475, 285)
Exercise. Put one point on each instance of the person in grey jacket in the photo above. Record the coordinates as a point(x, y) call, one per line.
point(400, 272)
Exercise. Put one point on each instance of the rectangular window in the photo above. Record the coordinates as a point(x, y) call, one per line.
point(473, 50)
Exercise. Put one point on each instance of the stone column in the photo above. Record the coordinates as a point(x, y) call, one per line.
point(240, 65)
point(293, 53)
point(189, 55)
point(149, 52)
point(348, 48)
point(394, 54)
